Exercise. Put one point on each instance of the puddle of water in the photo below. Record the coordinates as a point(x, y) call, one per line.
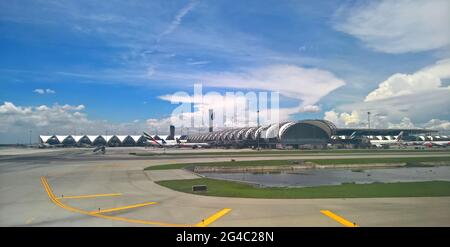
point(317, 177)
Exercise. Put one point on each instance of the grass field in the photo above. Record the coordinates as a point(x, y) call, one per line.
point(234, 189)
point(412, 160)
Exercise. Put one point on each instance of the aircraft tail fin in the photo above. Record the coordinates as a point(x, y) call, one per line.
point(150, 138)
point(400, 136)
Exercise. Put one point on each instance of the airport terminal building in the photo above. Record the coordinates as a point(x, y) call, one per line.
point(289, 134)
point(99, 140)
point(304, 133)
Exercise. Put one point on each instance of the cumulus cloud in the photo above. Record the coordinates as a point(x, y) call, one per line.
point(402, 100)
point(44, 91)
point(357, 119)
point(16, 121)
point(398, 26)
point(73, 108)
point(308, 85)
point(345, 119)
point(424, 80)
point(39, 91)
point(438, 124)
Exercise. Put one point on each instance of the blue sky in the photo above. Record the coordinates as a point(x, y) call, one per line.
point(120, 56)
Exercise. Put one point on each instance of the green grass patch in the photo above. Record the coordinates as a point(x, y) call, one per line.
point(349, 190)
point(408, 160)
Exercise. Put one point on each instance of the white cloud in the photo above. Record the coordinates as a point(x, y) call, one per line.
point(310, 108)
point(399, 26)
point(18, 118)
point(72, 108)
point(199, 62)
point(357, 119)
point(44, 91)
point(16, 121)
point(403, 100)
point(232, 109)
point(178, 18)
point(422, 81)
point(344, 119)
point(39, 91)
point(405, 123)
point(308, 85)
point(438, 124)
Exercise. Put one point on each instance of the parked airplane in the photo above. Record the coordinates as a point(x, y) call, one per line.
point(173, 143)
point(152, 141)
point(192, 145)
point(101, 149)
point(437, 144)
point(427, 143)
point(386, 143)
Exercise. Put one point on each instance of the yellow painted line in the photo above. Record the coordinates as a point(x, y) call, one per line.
point(88, 196)
point(213, 217)
point(70, 208)
point(123, 208)
point(338, 218)
point(29, 220)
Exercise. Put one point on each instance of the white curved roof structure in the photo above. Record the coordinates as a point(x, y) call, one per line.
point(92, 138)
point(81, 139)
point(136, 138)
point(45, 138)
point(284, 127)
point(121, 137)
point(107, 137)
point(272, 131)
point(61, 138)
point(77, 138)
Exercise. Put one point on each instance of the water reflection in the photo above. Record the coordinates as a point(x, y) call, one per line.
point(317, 177)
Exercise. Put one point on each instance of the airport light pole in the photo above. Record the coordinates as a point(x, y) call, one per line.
point(30, 136)
point(368, 118)
point(257, 117)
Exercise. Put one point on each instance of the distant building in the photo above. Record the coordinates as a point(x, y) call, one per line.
point(295, 134)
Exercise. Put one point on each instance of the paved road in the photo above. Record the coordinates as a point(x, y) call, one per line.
point(125, 195)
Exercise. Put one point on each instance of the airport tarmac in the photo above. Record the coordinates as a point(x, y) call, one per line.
point(75, 187)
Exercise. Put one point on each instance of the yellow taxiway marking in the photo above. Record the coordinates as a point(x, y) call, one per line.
point(99, 215)
point(338, 218)
point(70, 208)
point(30, 220)
point(88, 196)
point(213, 217)
point(123, 208)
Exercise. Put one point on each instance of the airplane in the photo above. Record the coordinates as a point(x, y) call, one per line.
point(152, 141)
point(387, 143)
point(437, 144)
point(192, 145)
point(100, 148)
point(173, 143)
point(426, 143)
point(46, 145)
